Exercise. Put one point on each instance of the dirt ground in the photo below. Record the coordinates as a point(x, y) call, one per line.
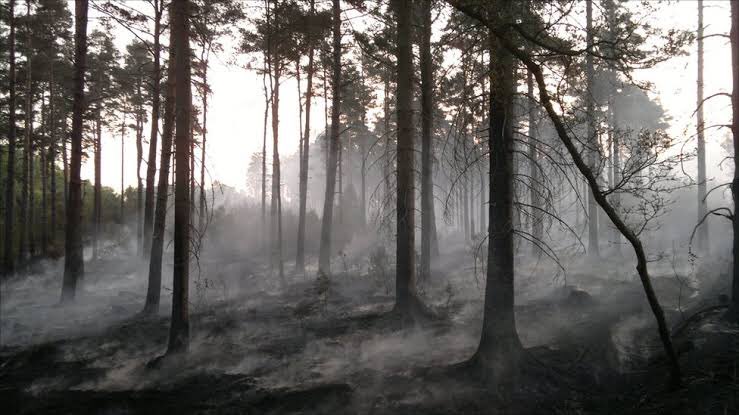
point(332, 347)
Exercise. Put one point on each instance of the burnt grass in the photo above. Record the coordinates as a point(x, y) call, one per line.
point(338, 349)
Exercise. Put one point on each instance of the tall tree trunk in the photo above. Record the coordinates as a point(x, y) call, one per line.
point(97, 198)
point(735, 135)
point(324, 257)
point(267, 101)
point(300, 255)
point(702, 231)
point(139, 182)
point(8, 252)
point(73, 261)
point(153, 292)
point(537, 212)
point(180, 324)
point(52, 156)
point(192, 169)
point(500, 349)
point(123, 189)
point(591, 140)
point(27, 152)
point(204, 126)
point(427, 127)
point(387, 165)
point(274, 63)
point(66, 170)
point(42, 170)
point(153, 135)
point(406, 300)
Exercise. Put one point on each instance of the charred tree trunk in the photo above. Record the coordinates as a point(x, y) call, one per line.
point(73, 261)
point(324, 258)
point(153, 292)
point(500, 350)
point(428, 230)
point(179, 332)
point(300, 255)
point(406, 299)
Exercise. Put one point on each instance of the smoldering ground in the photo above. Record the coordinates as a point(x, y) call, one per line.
point(330, 347)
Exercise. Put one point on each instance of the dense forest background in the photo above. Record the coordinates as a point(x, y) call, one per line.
point(454, 207)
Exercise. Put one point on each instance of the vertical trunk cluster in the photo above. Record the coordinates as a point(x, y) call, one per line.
point(500, 350)
point(702, 231)
point(153, 135)
point(180, 324)
point(591, 141)
point(305, 151)
point(73, 260)
point(153, 292)
point(324, 257)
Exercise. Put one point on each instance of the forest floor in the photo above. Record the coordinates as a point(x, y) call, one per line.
point(332, 347)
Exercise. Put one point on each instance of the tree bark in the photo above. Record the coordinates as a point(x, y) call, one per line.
point(735, 135)
point(153, 292)
point(180, 324)
point(139, 182)
point(500, 349)
point(153, 135)
point(73, 260)
point(52, 155)
point(97, 197)
point(122, 213)
point(267, 101)
point(406, 299)
point(201, 210)
point(8, 252)
point(300, 255)
point(702, 231)
point(427, 109)
point(591, 141)
point(27, 152)
point(537, 212)
point(324, 258)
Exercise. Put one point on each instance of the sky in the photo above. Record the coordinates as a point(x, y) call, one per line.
point(236, 107)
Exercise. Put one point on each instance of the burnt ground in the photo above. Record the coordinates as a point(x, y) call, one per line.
point(332, 347)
